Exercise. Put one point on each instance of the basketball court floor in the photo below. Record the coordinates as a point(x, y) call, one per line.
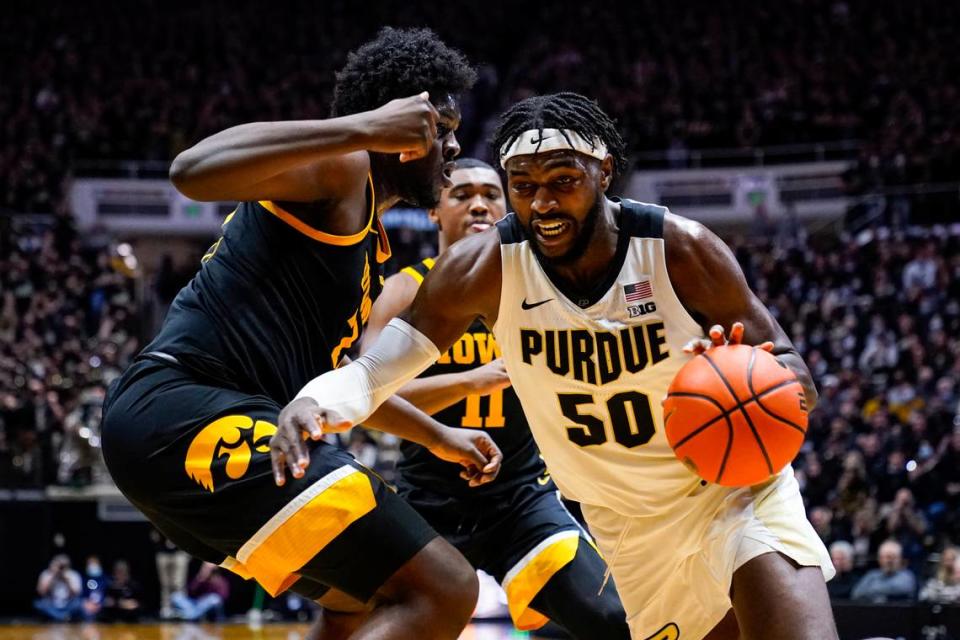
point(485, 631)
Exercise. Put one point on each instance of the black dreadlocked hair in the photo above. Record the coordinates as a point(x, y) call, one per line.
point(396, 64)
point(566, 110)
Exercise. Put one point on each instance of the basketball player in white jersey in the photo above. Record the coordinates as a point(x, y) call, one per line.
point(596, 303)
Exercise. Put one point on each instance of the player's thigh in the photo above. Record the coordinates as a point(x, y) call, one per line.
point(774, 583)
point(727, 629)
point(197, 456)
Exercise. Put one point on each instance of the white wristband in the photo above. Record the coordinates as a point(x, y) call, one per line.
point(355, 391)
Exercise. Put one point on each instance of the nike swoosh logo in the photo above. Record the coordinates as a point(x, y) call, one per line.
point(527, 307)
point(540, 139)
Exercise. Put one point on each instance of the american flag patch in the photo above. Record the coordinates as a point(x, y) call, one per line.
point(638, 291)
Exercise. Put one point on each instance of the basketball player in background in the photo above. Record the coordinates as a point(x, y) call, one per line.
point(591, 368)
point(277, 301)
point(514, 528)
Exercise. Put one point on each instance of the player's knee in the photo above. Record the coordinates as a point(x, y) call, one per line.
point(456, 592)
point(602, 617)
point(335, 625)
point(612, 619)
point(438, 581)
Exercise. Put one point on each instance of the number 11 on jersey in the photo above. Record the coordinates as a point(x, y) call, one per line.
point(494, 418)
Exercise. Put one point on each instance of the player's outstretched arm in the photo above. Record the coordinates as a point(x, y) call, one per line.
point(303, 160)
point(473, 450)
point(432, 393)
point(711, 285)
point(463, 286)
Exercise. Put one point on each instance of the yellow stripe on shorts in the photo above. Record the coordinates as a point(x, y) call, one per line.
point(525, 580)
point(304, 527)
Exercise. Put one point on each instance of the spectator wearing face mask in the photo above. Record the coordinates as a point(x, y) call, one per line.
point(94, 587)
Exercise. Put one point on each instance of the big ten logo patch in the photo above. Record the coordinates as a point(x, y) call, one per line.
point(639, 310)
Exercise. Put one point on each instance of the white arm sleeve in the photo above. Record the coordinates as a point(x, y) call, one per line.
point(355, 391)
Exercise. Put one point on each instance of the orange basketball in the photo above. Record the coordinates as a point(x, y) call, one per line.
point(735, 415)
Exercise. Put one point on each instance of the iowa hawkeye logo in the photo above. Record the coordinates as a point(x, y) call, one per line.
point(233, 437)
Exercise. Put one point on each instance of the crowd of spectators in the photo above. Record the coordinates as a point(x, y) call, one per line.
point(876, 316)
point(877, 319)
point(68, 325)
point(181, 589)
point(140, 81)
point(65, 595)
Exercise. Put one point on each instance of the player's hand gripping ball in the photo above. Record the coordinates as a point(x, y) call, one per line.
point(735, 414)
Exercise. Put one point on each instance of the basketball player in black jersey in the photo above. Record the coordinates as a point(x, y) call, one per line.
point(515, 528)
point(279, 298)
point(561, 153)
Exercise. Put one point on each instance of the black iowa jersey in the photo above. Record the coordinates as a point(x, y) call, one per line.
point(499, 414)
point(276, 302)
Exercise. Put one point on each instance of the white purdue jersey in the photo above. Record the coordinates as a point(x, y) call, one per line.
point(591, 373)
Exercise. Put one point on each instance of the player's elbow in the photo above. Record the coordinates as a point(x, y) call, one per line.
point(185, 176)
point(180, 173)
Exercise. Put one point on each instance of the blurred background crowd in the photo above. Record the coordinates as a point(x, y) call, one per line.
point(111, 89)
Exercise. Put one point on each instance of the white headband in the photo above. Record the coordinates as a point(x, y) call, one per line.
point(542, 141)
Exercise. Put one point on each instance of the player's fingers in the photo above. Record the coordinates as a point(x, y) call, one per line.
point(496, 458)
point(482, 478)
point(290, 455)
point(475, 457)
point(333, 422)
point(716, 336)
point(313, 427)
point(766, 346)
point(736, 333)
point(413, 154)
point(299, 453)
point(277, 462)
point(697, 347)
point(281, 445)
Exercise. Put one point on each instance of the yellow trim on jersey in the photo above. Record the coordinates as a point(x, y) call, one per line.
point(525, 580)
point(383, 243)
point(413, 273)
point(322, 236)
point(304, 527)
point(416, 275)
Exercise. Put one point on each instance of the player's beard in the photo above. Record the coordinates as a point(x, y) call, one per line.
point(580, 244)
point(423, 195)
